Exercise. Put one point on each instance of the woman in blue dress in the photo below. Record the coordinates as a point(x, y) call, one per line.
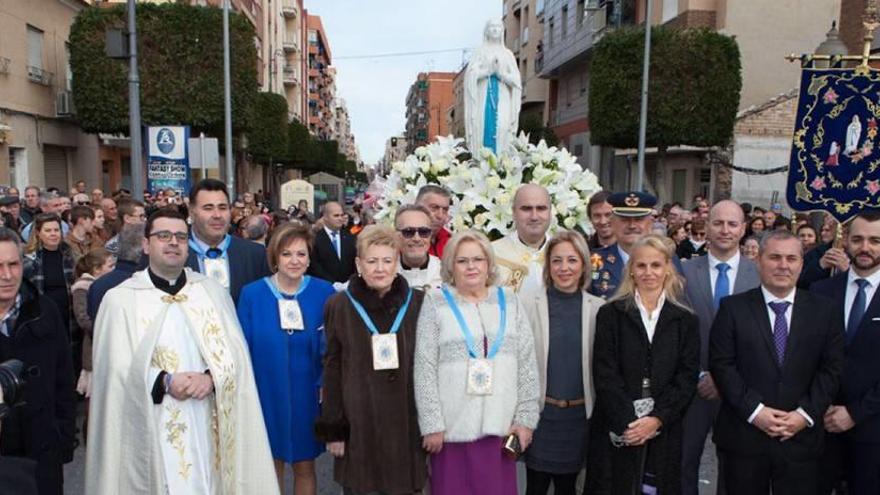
point(283, 323)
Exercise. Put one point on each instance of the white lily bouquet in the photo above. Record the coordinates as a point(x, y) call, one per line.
point(483, 186)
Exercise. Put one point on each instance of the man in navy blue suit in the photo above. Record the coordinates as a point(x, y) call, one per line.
point(230, 260)
point(853, 420)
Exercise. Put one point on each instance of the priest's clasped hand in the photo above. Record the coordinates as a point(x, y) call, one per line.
point(190, 384)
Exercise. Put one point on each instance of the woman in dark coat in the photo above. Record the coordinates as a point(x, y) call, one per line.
point(647, 346)
point(368, 418)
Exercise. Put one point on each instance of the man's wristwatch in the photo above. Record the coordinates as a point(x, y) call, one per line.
point(167, 381)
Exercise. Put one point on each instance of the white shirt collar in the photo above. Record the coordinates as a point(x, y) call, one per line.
point(330, 232)
point(873, 279)
point(644, 311)
point(769, 297)
point(733, 262)
point(519, 241)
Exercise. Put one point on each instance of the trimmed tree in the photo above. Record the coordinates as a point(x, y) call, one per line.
point(693, 93)
point(180, 59)
point(267, 139)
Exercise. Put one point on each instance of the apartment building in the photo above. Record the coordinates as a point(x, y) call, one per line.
point(523, 33)
point(427, 107)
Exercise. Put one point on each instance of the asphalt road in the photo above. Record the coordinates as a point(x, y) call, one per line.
point(75, 471)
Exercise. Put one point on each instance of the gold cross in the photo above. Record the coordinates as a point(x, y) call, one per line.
point(175, 298)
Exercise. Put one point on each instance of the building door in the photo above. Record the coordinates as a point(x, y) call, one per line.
point(55, 168)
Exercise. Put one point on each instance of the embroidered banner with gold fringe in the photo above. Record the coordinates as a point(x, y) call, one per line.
point(835, 162)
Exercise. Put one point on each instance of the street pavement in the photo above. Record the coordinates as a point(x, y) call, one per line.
point(75, 472)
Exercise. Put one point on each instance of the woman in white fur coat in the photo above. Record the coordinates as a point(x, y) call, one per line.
point(476, 377)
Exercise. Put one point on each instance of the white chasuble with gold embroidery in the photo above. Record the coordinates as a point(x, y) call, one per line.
point(519, 266)
point(214, 446)
point(186, 428)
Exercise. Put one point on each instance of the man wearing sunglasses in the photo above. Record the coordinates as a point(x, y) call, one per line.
point(420, 269)
point(170, 361)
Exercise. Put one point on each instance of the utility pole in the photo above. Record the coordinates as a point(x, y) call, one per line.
point(227, 102)
point(643, 118)
point(134, 107)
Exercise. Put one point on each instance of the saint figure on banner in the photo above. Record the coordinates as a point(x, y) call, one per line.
point(853, 134)
point(493, 91)
point(833, 154)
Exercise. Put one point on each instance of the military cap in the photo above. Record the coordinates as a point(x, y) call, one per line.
point(632, 204)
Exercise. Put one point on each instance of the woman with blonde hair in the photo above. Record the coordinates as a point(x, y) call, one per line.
point(563, 321)
point(475, 374)
point(368, 418)
point(645, 367)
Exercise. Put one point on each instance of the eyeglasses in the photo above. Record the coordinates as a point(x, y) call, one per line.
point(410, 232)
point(166, 235)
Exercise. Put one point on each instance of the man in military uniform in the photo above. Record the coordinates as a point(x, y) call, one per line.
point(520, 254)
point(631, 220)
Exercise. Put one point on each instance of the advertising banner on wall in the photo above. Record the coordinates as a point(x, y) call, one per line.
point(168, 159)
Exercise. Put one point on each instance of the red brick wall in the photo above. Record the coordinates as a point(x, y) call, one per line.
point(850, 24)
point(777, 120)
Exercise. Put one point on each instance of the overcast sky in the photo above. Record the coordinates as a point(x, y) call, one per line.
point(374, 88)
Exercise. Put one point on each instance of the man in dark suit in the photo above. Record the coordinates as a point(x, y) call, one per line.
point(709, 278)
point(334, 249)
point(853, 452)
point(776, 354)
point(212, 248)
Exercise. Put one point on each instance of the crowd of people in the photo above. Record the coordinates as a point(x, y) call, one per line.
point(217, 344)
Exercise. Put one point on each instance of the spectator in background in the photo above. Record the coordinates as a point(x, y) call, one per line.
point(599, 211)
point(825, 258)
point(695, 245)
point(756, 227)
point(129, 252)
point(758, 212)
point(82, 222)
point(749, 248)
point(130, 212)
point(100, 234)
point(31, 204)
point(770, 215)
point(437, 199)
point(255, 228)
point(48, 264)
point(97, 197)
point(807, 234)
point(677, 233)
point(81, 199)
point(111, 215)
point(10, 206)
point(89, 267)
point(49, 203)
point(302, 213)
point(80, 186)
point(782, 223)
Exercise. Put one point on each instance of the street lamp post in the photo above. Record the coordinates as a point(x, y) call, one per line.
point(227, 102)
point(643, 117)
point(134, 106)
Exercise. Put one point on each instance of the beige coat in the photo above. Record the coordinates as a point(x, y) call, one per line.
point(536, 307)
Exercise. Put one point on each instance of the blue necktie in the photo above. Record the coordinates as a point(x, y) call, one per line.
point(857, 311)
point(780, 329)
point(213, 253)
point(722, 283)
point(335, 240)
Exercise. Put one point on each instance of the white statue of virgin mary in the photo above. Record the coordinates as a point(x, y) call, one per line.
point(492, 93)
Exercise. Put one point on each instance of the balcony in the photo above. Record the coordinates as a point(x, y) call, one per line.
point(40, 76)
point(4, 65)
point(289, 8)
point(290, 45)
point(289, 76)
point(579, 39)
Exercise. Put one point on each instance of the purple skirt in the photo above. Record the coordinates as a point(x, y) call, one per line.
point(478, 468)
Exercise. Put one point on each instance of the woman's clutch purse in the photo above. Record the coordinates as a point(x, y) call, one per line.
point(511, 447)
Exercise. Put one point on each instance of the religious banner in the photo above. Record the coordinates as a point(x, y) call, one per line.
point(168, 159)
point(835, 162)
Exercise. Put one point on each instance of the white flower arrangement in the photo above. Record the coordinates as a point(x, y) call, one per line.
point(483, 186)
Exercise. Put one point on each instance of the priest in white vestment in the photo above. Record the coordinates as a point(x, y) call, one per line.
point(520, 255)
point(174, 405)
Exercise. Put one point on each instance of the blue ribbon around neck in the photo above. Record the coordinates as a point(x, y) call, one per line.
point(468, 337)
point(369, 321)
point(277, 292)
point(223, 246)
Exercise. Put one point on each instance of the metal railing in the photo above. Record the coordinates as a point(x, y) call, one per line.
point(40, 76)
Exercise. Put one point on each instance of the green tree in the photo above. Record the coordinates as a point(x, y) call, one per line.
point(694, 88)
point(531, 124)
point(267, 139)
point(180, 60)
